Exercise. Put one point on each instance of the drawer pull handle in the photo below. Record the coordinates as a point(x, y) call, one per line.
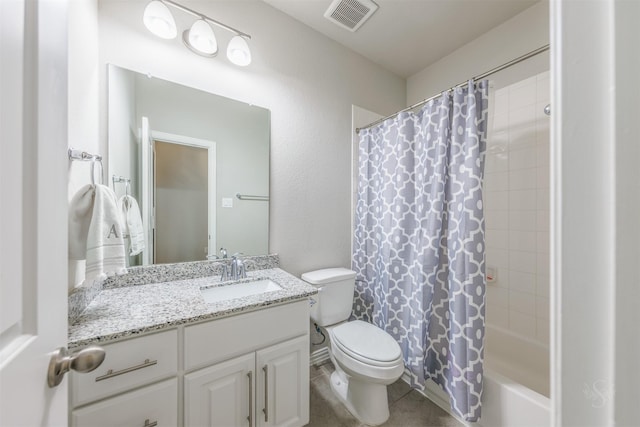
point(110, 373)
point(250, 417)
point(150, 424)
point(266, 393)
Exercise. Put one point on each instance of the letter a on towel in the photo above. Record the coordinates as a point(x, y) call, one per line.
point(95, 232)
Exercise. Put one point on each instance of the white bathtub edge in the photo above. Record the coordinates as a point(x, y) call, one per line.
point(536, 398)
point(506, 403)
point(518, 400)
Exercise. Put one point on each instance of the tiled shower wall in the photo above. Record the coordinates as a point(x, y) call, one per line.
point(517, 209)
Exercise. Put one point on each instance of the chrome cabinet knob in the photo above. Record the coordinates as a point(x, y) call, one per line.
point(86, 360)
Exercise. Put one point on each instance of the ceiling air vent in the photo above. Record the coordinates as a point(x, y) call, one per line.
point(350, 14)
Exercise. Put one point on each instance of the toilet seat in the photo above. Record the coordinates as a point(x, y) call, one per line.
point(367, 344)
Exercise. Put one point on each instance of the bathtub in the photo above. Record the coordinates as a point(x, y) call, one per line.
point(524, 361)
point(516, 383)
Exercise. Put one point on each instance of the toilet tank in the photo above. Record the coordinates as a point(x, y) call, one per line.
point(335, 294)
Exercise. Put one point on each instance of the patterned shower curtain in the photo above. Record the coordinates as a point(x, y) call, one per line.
point(419, 240)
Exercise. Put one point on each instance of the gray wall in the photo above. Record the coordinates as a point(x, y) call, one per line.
point(123, 138)
point(521, 34)
point(309, 84)
point(241, 134)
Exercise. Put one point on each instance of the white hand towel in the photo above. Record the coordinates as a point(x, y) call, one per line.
point(101, 241)
point(80, 211)
point(105, 243)
point(132, 223)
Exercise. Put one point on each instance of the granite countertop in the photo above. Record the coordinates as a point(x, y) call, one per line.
point(121, 312)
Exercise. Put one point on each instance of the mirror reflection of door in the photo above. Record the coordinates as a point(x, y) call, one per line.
point(143, 109)
point(181, 196)
point(181, 192)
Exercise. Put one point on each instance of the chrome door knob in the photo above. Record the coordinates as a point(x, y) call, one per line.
point(86, 360)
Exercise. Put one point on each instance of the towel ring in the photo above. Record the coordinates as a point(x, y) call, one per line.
point(93, 165)
point(127, 184)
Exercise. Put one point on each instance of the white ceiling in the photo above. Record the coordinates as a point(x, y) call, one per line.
point(406, 36)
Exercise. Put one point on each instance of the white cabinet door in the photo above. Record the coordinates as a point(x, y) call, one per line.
point(282, 384)
point(221, 395)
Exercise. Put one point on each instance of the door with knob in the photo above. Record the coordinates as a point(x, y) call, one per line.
point(86, 360)
point(33, 209)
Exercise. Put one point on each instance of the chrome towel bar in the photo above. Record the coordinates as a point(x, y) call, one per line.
point(249, 197)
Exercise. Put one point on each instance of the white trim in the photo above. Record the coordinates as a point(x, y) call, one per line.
point(555, 215)
point(146, 156)
point(595, 205)
point(210, 146)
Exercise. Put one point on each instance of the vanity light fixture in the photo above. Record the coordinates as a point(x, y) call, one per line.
point(200, 38)
point(238, 51)
point(158, 19)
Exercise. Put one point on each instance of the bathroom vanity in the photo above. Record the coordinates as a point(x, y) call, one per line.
point(172, 359)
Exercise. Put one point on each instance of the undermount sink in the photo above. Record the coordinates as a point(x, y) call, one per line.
point(238, 290)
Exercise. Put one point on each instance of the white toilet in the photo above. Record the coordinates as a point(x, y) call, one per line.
point(367, 359)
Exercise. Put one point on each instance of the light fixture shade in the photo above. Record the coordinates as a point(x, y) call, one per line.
point(200, 39)
point(238, 51)
point(159, 20)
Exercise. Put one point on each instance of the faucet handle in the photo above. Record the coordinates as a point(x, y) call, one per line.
point(237, 267)
point(247, 265)
point(241, 269)
point(225, 272)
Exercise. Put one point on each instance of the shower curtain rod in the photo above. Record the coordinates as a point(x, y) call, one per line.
point(478, 77)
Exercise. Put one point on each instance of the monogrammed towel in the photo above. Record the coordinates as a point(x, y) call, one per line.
point(95, 230)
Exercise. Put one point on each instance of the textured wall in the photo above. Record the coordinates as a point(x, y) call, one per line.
point(309, 84)
point(523, 33)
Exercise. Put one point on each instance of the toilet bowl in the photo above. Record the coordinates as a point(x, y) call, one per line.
point(366, 358)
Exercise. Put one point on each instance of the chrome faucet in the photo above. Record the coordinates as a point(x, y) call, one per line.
point(235, 270)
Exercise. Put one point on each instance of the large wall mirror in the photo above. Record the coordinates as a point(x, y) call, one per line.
point(196, 163)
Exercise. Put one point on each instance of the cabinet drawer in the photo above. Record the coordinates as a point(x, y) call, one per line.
point(211, 342)
point(156, 403)
point(132, 363)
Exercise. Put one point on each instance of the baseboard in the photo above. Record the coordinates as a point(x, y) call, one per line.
point(319, 356)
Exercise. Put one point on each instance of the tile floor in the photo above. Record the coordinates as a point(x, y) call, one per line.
point(408, 407)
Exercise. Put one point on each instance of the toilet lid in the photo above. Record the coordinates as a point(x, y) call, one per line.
point(366, 342)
